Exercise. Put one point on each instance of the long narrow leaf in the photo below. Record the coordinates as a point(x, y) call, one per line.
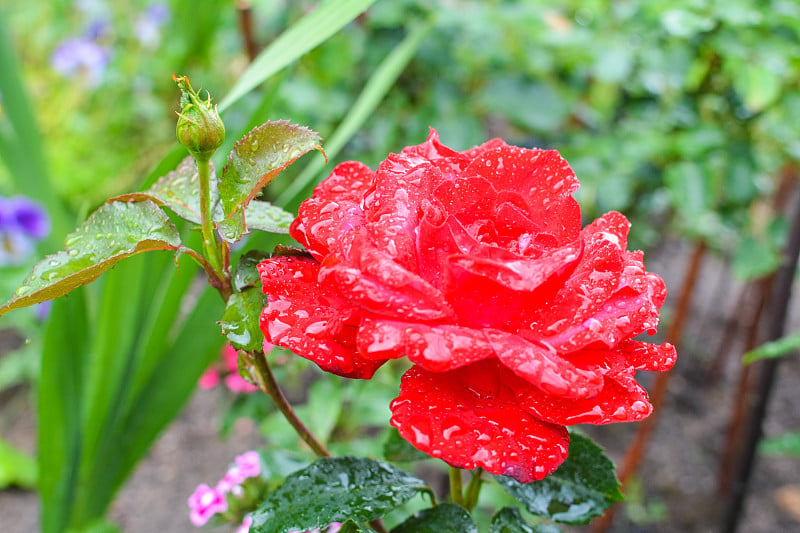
point(22, 149)
point(373, 93)
point(59, 409)
point(304, 36)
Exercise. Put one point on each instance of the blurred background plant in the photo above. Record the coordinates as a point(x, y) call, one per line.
point(678, 113)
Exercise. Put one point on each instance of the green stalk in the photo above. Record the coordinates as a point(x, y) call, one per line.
point(456, 489)
point(266, 382)
point(474, 489)
point(210, 243)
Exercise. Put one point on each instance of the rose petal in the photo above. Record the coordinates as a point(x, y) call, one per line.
point(436, 348)
point(309, 319)
point(614, 403)
point(543, 367)
point(646, 356)
point(488, 292)
point(383, 287)
point(470, 417)
point(544, 179)
point(325, 222)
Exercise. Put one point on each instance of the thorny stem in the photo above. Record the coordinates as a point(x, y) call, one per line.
point(267, 383)
point(474, 489)
point(456, 490)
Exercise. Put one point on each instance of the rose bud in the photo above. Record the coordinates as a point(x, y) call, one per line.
point(199, 128)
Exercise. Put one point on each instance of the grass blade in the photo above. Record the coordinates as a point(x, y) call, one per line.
point(304, 36)
point(373, 93)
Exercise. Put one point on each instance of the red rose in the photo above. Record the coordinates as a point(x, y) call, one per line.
point(474, 266)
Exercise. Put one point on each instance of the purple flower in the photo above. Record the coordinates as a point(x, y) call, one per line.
point(204, 503)
point(82, 56)
point(148, 26)
point(22, 223)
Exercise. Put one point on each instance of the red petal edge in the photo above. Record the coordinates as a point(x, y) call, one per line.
point(309, 319)
point(470, 417)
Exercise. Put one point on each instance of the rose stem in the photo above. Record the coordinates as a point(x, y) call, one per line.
point(456, 490)
point(474, 489)
point(267, 383)
point(635, 452)
point(210, 244)
point(781, 296)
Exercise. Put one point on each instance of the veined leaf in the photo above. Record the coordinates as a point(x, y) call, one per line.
point(583, 487)
point(240, 320)
point(112, 233)
point(444, 518)
point(255, 160)
point(509, 520)
point(334, 489)
point(179, 190)
point(267, 217)
point(246, 271)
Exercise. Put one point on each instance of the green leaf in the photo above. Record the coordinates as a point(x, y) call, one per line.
point(112, 233)
point(334, 489)
point(258, 157)
point(240, 320)
point(774, 349)
point(267, 217)
point(786, 444)
point(179, 190)
point(509, 520)
point(583, 487)
point(444, 518)
point(247, 272)
point(396, 448)
point(302, 37)
point(16, 468)
point(349, 526)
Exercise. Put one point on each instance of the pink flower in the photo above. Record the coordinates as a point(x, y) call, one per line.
point(246, 523)
point(247, 465)
point(204, 503)
point(233, 380)
point(209, 380)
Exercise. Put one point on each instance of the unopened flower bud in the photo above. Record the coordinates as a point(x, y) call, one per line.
point(199, 127)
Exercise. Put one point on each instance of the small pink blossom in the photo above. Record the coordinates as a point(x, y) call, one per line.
point(249, 464)
point(204, 503)
point(246, 523)
point(237, 384)
point(209, 380)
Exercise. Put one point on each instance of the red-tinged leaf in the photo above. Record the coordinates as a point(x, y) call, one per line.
point(258, 157)
point(112, 233)
point(180, 191)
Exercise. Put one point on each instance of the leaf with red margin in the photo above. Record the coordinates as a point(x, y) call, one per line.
point(115, 231)
point(470, 417)
point(254, 161)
